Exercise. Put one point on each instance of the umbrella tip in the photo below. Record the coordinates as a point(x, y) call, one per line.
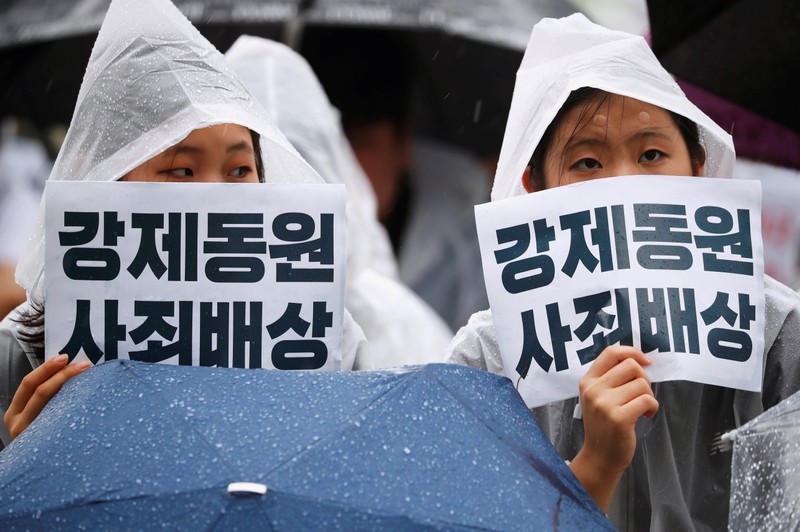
point(246, 489)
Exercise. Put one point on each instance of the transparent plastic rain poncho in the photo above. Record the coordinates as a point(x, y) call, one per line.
point(151, 80)
point(283, 82)
point(400, 328)
point(680, 476)
point(765, 483)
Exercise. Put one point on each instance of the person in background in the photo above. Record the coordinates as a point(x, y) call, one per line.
point(24, 167)
point(399, 327)
point(425, 189)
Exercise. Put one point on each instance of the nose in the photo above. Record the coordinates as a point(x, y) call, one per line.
point(620, 168)
point(212, 177)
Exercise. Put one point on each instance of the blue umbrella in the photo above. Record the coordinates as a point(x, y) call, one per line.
point(138, 446)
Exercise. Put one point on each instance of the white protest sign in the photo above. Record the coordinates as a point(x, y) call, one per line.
point(226, 275)
point(672, 265)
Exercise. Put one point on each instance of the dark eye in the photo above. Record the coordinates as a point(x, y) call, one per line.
point(241, 171)
point(651, 156)
point(588, 164)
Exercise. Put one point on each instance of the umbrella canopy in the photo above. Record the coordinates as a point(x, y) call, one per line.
point(742, 50)
point(45, 45)
point(136, 446)
point(504, 22)
point(469, 50)
point(765, 476)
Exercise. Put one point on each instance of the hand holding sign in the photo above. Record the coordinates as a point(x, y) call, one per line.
point(615, 393)
point(36, 390)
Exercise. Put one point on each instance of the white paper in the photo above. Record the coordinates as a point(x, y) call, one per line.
point(622, 272)
point(211, 269)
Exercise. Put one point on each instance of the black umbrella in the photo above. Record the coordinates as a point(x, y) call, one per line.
point(742, 50)
point(468, 50)
point(45, 45)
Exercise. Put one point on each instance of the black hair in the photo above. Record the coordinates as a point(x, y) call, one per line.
point(32, 319)
point(367, 74)
point(256, 138)
point(592, 99)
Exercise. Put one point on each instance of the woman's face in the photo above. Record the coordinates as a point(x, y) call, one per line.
point(217, 154)
point(623, 136)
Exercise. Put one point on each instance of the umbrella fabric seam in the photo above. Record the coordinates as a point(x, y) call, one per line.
point(338, 428)
point(259, 507)
point(229, 466)
point(513, 448)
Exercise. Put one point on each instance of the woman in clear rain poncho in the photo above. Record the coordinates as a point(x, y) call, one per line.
point(151, 82)
point(400, 328)
point(677, 479)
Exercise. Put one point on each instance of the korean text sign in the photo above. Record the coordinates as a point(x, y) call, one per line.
point(671, 265)
point(225, 275)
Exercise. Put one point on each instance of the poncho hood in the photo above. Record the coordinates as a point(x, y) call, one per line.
point(151, 80)
point(569, 53)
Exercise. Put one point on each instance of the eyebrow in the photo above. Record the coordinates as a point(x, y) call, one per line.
point(650, 133)
point(585, 141)
point(242, 146)
point(592, 141)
